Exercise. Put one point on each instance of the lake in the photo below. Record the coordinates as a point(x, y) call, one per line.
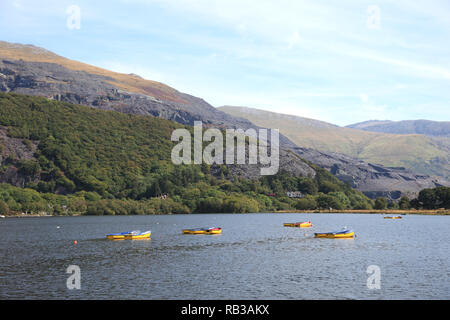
point(255, 257)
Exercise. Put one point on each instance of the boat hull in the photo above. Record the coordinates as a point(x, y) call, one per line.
point(115, 237)
point(332, 235)
point(299, 224)
point(140, 236)
point(202, 231)
point(393, 217)
point(119, 236)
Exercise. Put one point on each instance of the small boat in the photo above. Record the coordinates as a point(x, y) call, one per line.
point(346, 233)
point(138, 235)
point(214, 230)
point(397, 217)
point(304, 224)
point(119, 236)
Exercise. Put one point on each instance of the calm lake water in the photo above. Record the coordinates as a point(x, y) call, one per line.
point(254, 258)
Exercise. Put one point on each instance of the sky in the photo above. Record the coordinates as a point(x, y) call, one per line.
point(337, 61)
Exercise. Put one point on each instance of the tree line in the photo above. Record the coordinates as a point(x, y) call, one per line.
point(429, 199)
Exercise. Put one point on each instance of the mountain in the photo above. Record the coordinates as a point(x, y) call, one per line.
point(28, 69)
point(31, 70)
point(419, 153)
point(354, 155)
point(90, 161)
point(425, 127)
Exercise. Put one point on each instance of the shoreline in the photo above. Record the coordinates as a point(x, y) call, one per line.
point(31, 215)
point(439, 212)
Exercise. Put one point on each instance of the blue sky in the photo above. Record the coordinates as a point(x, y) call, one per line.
point(336, 61)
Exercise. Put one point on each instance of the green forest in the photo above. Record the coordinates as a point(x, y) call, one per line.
point(97, 162)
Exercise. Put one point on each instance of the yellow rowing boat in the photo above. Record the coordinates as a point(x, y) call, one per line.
point(129, 235)
point(119, 236)
point(203, 231)
point(138, 236)
point(336, 234)
point(305, 224)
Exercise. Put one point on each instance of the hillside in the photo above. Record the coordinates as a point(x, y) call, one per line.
point(84, 160)
point(27, 69)
point(417, 152)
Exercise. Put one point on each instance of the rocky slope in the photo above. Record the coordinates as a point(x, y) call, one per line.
point(373, 180)
point(31, 70)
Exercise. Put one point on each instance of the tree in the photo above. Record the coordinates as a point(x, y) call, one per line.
point(443, 196)
point(326, 201)
point(3, 207)
point(308, 186)
point(404, 203)
point(154, 190)
point(427, 198)
point(327, 187)
point(392, 205)
point(306, 203)
point(436, 198)
point(343, 199)
point(381, 203)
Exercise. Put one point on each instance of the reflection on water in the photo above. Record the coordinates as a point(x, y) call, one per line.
point(255, 257)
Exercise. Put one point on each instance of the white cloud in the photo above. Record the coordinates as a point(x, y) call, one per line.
point(293, 39)
point(374, 17)
point(335, 57)
point(309, 58)
point(364, 97)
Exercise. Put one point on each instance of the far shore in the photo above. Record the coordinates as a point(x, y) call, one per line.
point(436, 212)
point(373, 211)
point(27, 215)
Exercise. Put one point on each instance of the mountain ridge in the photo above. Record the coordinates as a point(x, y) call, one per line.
point(419, 126)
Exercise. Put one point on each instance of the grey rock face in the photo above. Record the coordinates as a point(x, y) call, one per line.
point(57, 82)
point(11, 150)
point(373, 180)
point(289, 162)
